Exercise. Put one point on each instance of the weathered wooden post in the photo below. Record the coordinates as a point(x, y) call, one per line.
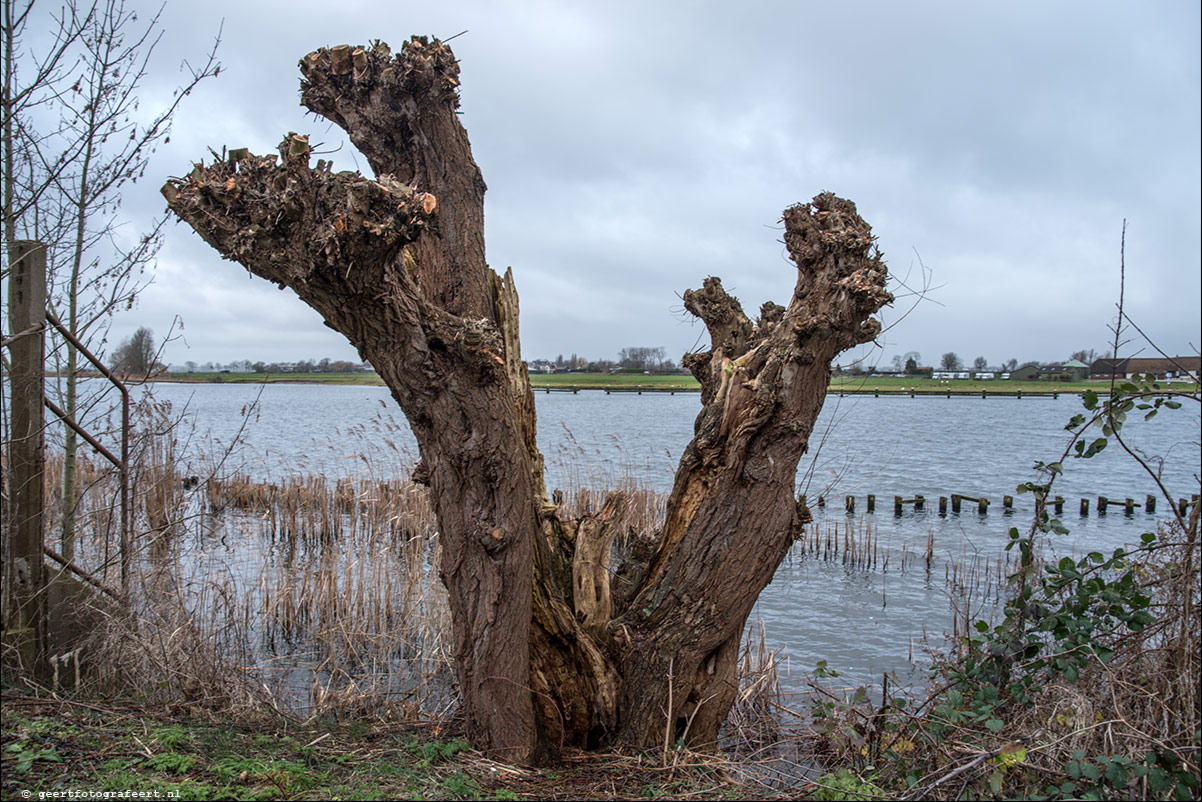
point(1150, 503)
point(27, 320)
point(982, 505)
point(872, 503)
point(849, 504)
point(943, 505)
point(1085, 507)
point(1102, 503)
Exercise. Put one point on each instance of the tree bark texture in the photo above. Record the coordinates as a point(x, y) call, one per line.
point(561, 638)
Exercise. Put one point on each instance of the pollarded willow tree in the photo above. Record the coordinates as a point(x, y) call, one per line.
point(559, 639)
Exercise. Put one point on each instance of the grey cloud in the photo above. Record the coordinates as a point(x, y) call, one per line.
point(631, 149)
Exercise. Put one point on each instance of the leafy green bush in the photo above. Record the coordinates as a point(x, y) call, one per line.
point(1088, 686)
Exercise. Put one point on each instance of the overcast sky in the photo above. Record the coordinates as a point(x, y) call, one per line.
point(633, 148)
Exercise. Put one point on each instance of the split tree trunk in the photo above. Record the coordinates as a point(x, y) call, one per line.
point(554, 645)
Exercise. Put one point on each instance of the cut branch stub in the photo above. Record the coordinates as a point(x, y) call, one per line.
point(347, 87)
point(399, 111)
point(292, 226)
point(841, 275)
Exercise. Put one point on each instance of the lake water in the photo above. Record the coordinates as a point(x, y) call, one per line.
point(861, 622)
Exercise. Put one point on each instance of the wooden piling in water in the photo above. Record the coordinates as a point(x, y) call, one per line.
point(1055, 505)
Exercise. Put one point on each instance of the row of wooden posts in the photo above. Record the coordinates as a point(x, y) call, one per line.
point(982, 504)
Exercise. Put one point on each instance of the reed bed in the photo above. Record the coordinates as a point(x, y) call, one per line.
point(320, 594)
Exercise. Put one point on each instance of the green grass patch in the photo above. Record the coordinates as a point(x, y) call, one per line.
point(366, 379)
point(49, 745)
point(615, 381)
point(681, 382)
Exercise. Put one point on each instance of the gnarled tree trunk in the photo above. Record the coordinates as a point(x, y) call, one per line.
point(554, 645)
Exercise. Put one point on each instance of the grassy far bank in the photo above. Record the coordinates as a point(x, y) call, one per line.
point(56, 746)
point(367, 379)
point(679, 382)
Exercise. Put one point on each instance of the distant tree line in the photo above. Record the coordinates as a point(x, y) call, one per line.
point(304, 366)
point(635, 358)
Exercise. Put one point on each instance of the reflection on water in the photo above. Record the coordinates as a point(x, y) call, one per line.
point(862, 622)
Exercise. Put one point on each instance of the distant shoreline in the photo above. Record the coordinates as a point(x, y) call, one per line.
point(683, 383)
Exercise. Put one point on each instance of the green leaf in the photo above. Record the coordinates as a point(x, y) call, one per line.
point(995, 782)
point(1089, 399)
point(1117, 774)
point(995, 725)
point(1159, 779)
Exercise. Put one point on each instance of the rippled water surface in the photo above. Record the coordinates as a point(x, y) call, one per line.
point(861, 622)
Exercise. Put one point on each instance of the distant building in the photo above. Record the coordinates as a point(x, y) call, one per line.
point(1058, 371)
point(1108, 369)
point(1025, 373)
point(1078, 370)
point(1174, 368)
